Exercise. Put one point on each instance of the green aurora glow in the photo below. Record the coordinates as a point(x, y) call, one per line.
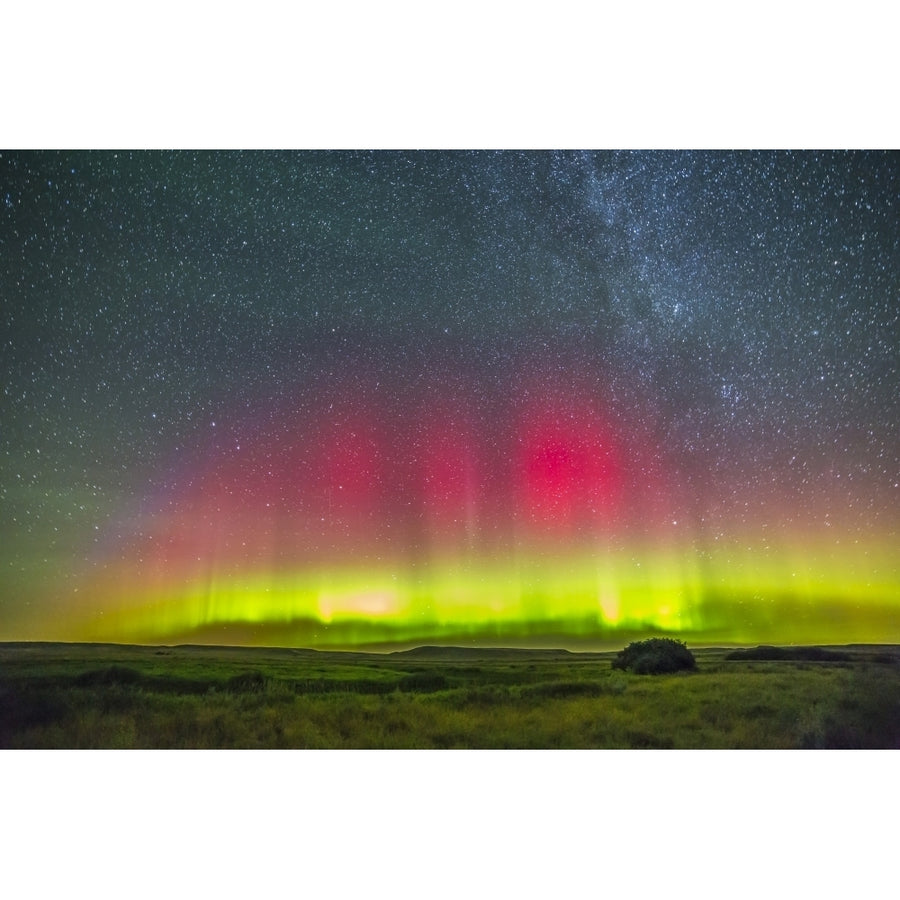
point(739, 596)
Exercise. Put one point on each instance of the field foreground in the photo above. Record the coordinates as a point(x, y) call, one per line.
point(75, 696)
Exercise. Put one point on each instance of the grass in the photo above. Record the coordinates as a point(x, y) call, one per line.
point(87, 696)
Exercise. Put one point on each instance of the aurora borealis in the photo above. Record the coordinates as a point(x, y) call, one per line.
point(381, 398)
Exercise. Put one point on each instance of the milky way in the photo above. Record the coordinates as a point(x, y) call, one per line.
point(364, 398)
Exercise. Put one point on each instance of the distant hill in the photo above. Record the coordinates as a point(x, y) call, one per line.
point(471, 653)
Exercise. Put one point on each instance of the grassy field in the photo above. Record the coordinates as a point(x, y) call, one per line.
point(111, 696)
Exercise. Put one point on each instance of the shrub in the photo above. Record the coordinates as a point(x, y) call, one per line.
point(655, 656)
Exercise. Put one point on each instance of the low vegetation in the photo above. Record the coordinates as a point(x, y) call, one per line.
point(193, 697)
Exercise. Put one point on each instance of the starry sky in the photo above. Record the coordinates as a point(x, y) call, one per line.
point(347, 399)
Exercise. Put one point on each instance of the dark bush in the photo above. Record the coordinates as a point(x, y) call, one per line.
point(810, 654)
point(655, 656)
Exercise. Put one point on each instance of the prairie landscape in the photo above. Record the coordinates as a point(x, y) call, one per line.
point(418, 401)
point(74, 696)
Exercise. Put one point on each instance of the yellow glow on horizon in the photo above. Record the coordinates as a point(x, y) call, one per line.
point(739, 590)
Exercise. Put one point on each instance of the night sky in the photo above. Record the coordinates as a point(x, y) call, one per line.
point(374, 398)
